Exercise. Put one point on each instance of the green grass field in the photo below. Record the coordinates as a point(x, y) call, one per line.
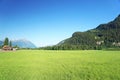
point(60, 65)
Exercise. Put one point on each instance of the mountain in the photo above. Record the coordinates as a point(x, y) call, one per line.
point(1, 43)
point(111, 25)
point(103, 36)
point(22, 43)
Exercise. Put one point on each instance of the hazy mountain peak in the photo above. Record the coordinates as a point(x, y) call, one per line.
point(24, 40)
point(22, 43)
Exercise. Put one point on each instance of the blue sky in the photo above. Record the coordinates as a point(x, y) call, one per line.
point(46, 22)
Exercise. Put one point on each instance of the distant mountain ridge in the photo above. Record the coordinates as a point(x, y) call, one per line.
point(1, 43)
point(22, 43)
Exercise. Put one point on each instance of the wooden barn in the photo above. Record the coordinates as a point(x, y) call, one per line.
point(7, 48)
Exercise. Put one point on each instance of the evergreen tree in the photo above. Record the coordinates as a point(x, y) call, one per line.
point(10, 43)
point(6, 41)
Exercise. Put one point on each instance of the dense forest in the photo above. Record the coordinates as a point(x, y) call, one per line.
point(103, 36)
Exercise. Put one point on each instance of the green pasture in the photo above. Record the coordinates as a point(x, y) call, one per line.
point(60, 65)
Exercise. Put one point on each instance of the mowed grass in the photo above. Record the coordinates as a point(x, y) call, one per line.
point(60, 65)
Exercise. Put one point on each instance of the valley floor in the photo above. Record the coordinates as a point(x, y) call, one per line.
point(60, 65)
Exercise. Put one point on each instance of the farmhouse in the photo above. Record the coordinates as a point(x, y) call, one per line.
point(7, 48)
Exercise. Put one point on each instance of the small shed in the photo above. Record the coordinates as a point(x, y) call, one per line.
point(7, 48)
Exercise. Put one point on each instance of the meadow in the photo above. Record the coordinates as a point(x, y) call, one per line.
point(60, 65)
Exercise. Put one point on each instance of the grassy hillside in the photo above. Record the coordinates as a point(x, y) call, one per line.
point(60, 65)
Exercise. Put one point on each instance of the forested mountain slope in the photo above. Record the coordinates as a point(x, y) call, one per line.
point(105, 35)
